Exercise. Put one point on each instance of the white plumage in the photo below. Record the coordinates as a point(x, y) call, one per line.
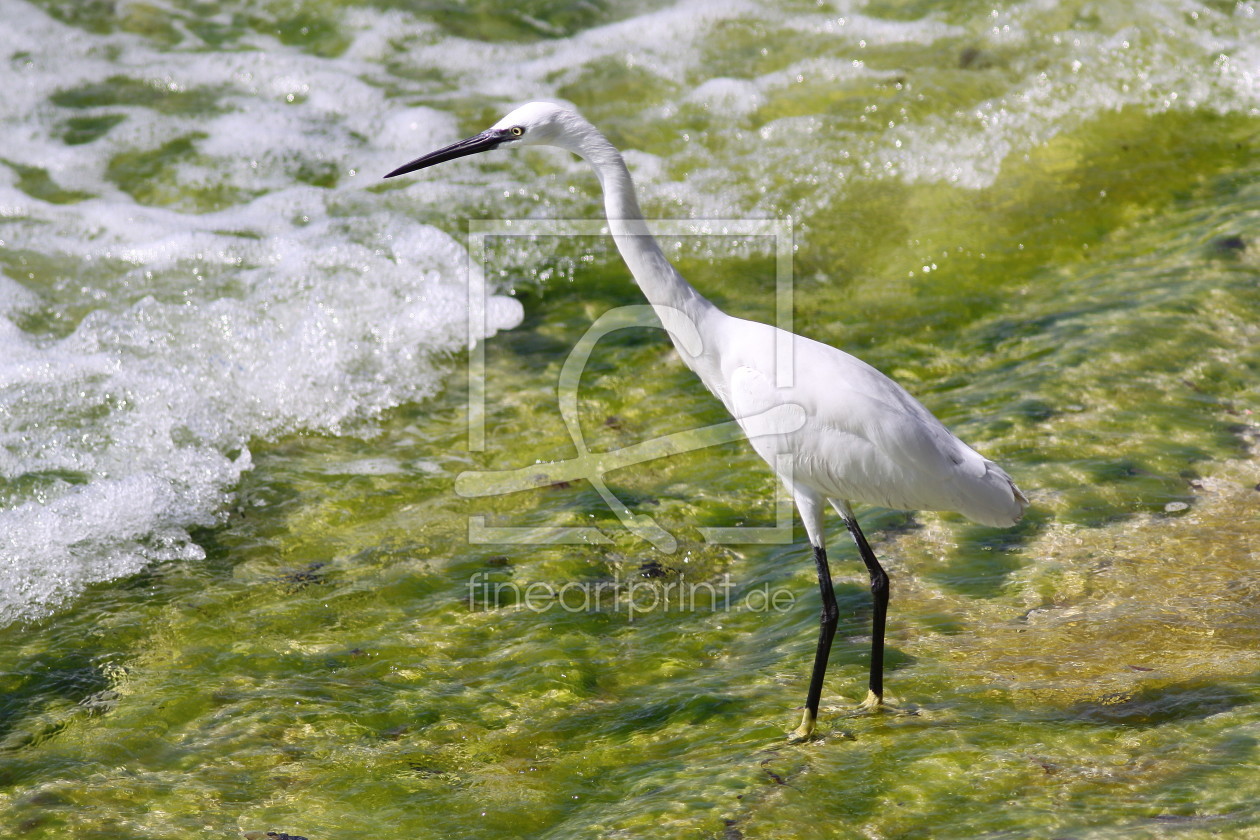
point(851, 434)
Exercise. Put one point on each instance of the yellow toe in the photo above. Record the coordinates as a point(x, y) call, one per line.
point(806, 728)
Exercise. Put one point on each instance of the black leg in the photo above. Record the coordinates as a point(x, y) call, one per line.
point(826, 632)
point(879, 592)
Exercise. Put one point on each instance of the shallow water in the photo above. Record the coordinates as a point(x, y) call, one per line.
point(241, 592)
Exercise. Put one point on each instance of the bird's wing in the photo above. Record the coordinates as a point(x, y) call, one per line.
point(862, 437)
point(907, 458)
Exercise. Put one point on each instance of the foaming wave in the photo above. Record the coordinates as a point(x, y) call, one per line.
point(135, 426)
point(149, 345)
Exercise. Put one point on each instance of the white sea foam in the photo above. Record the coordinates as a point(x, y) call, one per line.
point(293, 308)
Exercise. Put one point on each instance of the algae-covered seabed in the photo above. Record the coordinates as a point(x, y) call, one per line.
point(1079, 299)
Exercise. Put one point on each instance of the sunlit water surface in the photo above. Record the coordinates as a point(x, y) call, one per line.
point(240, 592)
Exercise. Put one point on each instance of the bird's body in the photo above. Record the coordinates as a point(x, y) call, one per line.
point(864, 438)
point(851, 434)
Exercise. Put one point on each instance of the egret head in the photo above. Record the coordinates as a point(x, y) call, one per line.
point(532, 124)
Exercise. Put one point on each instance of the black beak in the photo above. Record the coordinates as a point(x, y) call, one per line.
point(483, 142)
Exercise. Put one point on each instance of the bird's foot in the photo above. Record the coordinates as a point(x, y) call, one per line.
point(873, 704)
point(805, 730)
point(876, 704)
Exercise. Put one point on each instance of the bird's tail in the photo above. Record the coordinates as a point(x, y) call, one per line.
point(994, 501)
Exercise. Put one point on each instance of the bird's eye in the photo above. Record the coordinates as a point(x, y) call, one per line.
point(516, 130)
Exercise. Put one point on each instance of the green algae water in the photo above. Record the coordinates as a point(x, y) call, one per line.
point(241, 593)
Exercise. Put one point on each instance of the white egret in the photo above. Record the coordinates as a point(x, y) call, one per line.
point(862, 437)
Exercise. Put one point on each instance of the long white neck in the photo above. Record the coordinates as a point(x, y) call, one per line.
point(661, 283)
